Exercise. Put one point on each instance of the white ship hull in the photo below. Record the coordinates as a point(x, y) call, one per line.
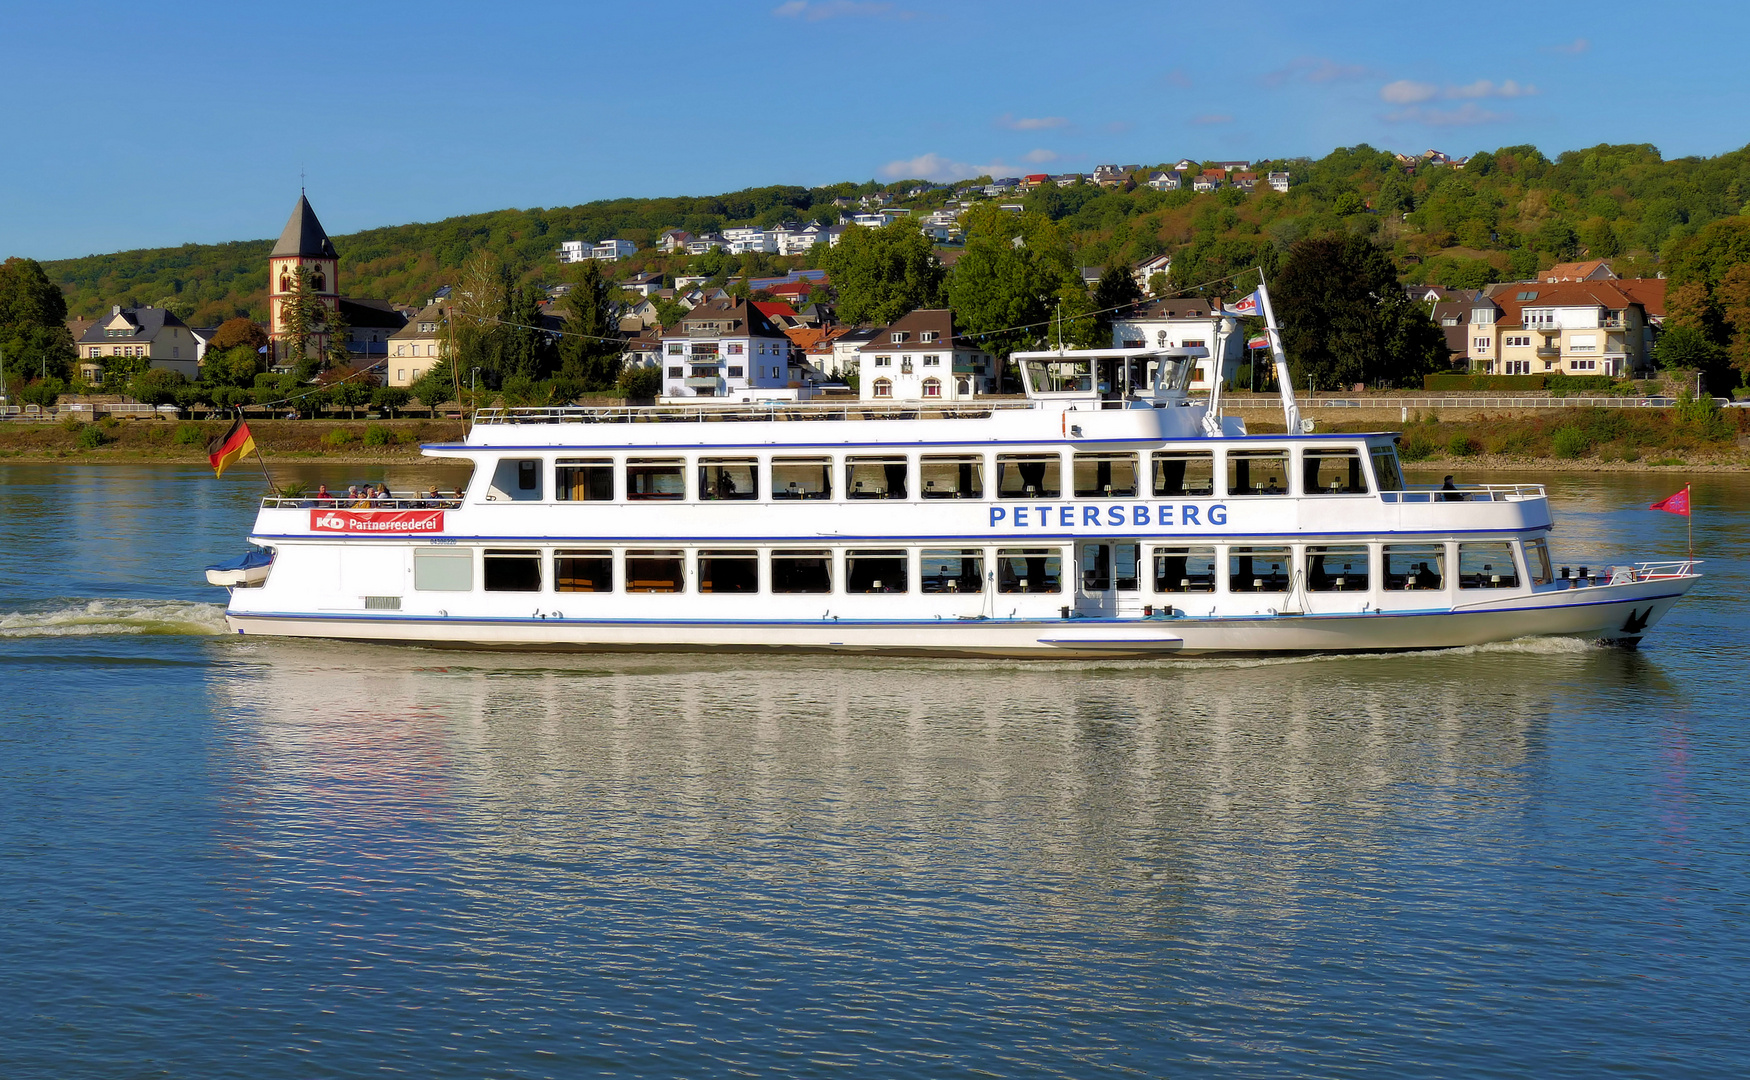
point(1618, 614)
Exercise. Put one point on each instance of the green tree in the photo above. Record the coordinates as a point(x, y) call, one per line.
point(235, 366)
point(1114, 295)
point(1345, 319)
point(590, 346)
point(641, 383)
point(338, 329)
point(528, 348)
point(436, 386)
point(387, 399)
point(33, 332)
point(883, 273)
point(157, 386)
point(302, 314)
point(1006, 286)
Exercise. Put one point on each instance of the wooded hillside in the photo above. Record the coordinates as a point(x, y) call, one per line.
point(1503, 216)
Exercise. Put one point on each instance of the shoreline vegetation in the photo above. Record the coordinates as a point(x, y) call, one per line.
point(1698, 436)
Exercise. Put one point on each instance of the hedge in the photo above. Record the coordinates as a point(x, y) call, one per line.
point(1483, 382)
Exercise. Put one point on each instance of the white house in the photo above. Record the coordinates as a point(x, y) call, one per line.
point(1166, 181)
point(573, 251)
point(1179, 322)
point(724, 347)
point(612, 250)
point(1148, 268)
point(1278, 181)
point(918, 358)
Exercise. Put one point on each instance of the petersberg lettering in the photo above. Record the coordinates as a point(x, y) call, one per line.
point(1108, 515)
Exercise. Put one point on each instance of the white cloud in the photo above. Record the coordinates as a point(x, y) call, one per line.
point(1212, 118)
point(1572, 48)
point(816, 10)
point(1407, 92)
point(1314, 69)
point(937, 167)
point(1039, 157)
point(1030, 123)
point(1466, 115)
point(1483, 88)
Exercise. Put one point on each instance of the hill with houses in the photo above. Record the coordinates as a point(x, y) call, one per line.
point(1497, 215)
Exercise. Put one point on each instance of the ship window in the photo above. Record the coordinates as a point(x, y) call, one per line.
point(875, 478)
point(876, 572)
point(516, 479)
point(1029, 570)
point(1487, 566)
point(1029, 476)
point(443, 570)
point(1332, 472)
point(1337, 569)
point(952, 477)
point(729, 478)
point(729, 571)
point(1537, 561)
point(1184, 569)
point(583, 571)
point(1414, 567)
point(1111, 566)
point(513, 570)
point(801, 478)
point(1385, 469)
point(1105, 476)
point(655, 478)
point(1059, 376)
point(583, 480)
point(655, 571)
point(1181, 475)
point(952, 570)
point(1257, 569)
point(801, 571)
point(1257, 472)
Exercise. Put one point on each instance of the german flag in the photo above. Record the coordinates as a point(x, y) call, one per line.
point(231, 446)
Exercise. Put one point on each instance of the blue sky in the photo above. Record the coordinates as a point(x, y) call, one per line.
point(130, 127)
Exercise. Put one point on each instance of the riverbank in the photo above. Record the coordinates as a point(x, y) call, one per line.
point(1567, 440)
point(174, 441)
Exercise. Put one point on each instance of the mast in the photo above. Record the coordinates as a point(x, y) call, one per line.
point(1284, 383)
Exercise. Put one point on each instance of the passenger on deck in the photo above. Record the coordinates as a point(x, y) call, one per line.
point(1452, 492)
point(322, 492)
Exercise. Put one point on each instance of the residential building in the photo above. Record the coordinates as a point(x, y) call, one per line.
point(1180, 322)
point(1185, 165)
point(612, 250)
point(1278, 181)
point(417, 347)
point(645, 284)
point(1109, 176)
point(996, 189)
point(722, 347)
point(1091, 275)
point(1068, 179)
point(699, 245)
point(673, 240)
point(149, 333)
point(573, 251)
point(1245, 181)
point(1148, 268)
point(1233, 166)
point(1593, 270)
point(846, 348)
point(917, 357)
point(1209, 180)
point(1166, 181)
point(1454, 318)
point(1035, 180)
point(1575, 328)
point(370, 324)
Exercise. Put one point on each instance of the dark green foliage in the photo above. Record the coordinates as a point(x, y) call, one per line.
point(90, 437)
point(1484, 382)
point(190, 435)
point(1569, 442)
point(1462, 446)
point(33, 335)
point(157, 386)
point(591, 347)
point(378, 435)
point(641, 383)
point(881, 274)
point(1345, 320)
point(1113, 295)
point(389, 398)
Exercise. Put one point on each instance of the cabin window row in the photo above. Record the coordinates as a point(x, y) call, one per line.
point(1233, 473)
point(1121, 565)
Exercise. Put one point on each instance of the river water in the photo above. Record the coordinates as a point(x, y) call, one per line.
point(226, 857)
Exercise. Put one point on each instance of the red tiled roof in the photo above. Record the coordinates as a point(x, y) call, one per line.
point(771, 309)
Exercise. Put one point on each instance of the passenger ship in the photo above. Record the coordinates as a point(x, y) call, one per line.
point(1109, 513)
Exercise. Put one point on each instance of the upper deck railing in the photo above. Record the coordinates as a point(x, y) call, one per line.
point(751, 412)
point(1429, 493)
point(407, 500)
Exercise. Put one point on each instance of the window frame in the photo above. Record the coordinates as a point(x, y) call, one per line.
point(572, 555)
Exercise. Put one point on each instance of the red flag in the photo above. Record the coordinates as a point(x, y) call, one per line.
point(1674, 504)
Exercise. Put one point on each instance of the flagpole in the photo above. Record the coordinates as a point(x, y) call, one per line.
point(265, 474)
point(1689, 520)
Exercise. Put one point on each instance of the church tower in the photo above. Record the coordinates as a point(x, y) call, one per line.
point(303, 243)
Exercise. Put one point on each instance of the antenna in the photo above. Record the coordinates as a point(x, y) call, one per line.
point(300, 179)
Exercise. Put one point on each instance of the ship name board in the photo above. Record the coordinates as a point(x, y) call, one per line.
point(1107, 515)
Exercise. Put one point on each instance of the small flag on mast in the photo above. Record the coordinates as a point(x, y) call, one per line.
point(1674, 504)
point(231, 446)
point(1245, 305)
